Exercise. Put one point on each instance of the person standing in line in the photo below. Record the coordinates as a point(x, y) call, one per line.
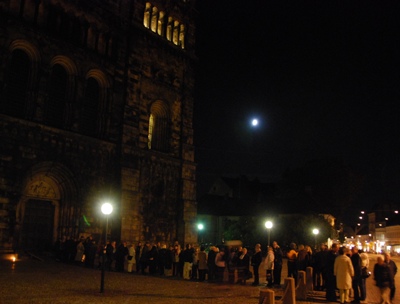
point(278, 260)
point(256, 260)
point(163, 256)
point(80, 249)
point(153, 259)
point(220, 263)
point(110, 252)
point(319, 263)
point(187, 258)
point(384, 279)
point(169, 260)
point(144, 258)
point(202, 256)
point(175, 261)
point(131, 257)
point(232, 264)
point(120, 255)
point(393, 269)
point(330, 282)
point(269, 266)
point(138, 253)
point(364, 264)
point(356, 284)
point(291, 263)
point(195, 266)
point(211, 263)
point(344, 272)
point(243, 264)
point(303, 258)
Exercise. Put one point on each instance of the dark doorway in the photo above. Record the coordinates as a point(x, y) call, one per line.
point(37, 229)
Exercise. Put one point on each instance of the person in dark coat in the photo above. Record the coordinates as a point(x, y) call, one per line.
point(243, 265)
point(356, 281)
point(329, 273)
point(393, 269)
point(278, 254)
point(144, 258)
point(319, 264)
point(384, 279)
point(256, 260)
point(232, 264)
point(162, 259)
point(153, 260)
point(303, 259)
point(110, 253)
point(138, 253)
point(211, 263)
point(120, 254)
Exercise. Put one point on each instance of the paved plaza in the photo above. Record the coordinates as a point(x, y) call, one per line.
point(32, 281)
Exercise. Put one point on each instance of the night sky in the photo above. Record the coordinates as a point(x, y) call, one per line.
point(322, 76)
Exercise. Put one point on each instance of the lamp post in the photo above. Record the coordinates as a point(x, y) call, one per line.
point(200, 228)
point(315, 232)
point(268, 225)
point(106, 209)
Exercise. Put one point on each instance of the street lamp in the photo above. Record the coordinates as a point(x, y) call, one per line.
point(106, 209)
point(315, 232)
point(200, 227)
point(268, 225)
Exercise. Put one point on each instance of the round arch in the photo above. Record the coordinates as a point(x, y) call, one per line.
point(48, 202)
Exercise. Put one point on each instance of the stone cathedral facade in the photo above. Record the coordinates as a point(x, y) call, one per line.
point(96, 104)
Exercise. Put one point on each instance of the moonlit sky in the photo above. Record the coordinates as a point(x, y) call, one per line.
point(322, 78)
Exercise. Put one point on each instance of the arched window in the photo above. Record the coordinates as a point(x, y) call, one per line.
point(57, 97)
point(175, 36)
point(154, 19)
point(14, 97)
point(160, 26)
point(182, 36)
point(159, 128)
point(169, 28)
point(146, 17)
point(90, 108)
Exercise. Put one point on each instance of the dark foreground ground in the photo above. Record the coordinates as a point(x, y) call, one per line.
point(32, 281)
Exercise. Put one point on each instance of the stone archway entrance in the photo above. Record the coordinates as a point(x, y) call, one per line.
point(46, 207)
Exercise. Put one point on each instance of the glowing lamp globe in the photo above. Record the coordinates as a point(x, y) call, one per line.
point(106, 208)
point(268, 225)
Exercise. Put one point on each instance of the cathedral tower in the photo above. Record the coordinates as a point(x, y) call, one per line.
point(96, 103)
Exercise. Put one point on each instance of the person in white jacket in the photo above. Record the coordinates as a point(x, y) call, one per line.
point(344, 272)
point(131, 257)
point(269, 265)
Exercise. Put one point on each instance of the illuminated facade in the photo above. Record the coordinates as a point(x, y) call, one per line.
point(96, 103)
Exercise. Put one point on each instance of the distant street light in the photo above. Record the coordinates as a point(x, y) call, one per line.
point(315, 232)
point(200, 228)
point(106, 209)
point(268, 225)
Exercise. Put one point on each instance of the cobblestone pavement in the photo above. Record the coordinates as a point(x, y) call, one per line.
point(32, 281)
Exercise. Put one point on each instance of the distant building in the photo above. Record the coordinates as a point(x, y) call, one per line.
point(96, 103)
point(384, 227)
point(229, 199)
point(379, 231)
point(232, 199)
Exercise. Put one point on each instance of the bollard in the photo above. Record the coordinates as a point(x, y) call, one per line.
point(289, 294)
point(267, 296)
point(309, 280)
point(301, 289)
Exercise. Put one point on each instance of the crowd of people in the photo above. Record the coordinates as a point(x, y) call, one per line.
point(334, 269)
point(343, 269)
